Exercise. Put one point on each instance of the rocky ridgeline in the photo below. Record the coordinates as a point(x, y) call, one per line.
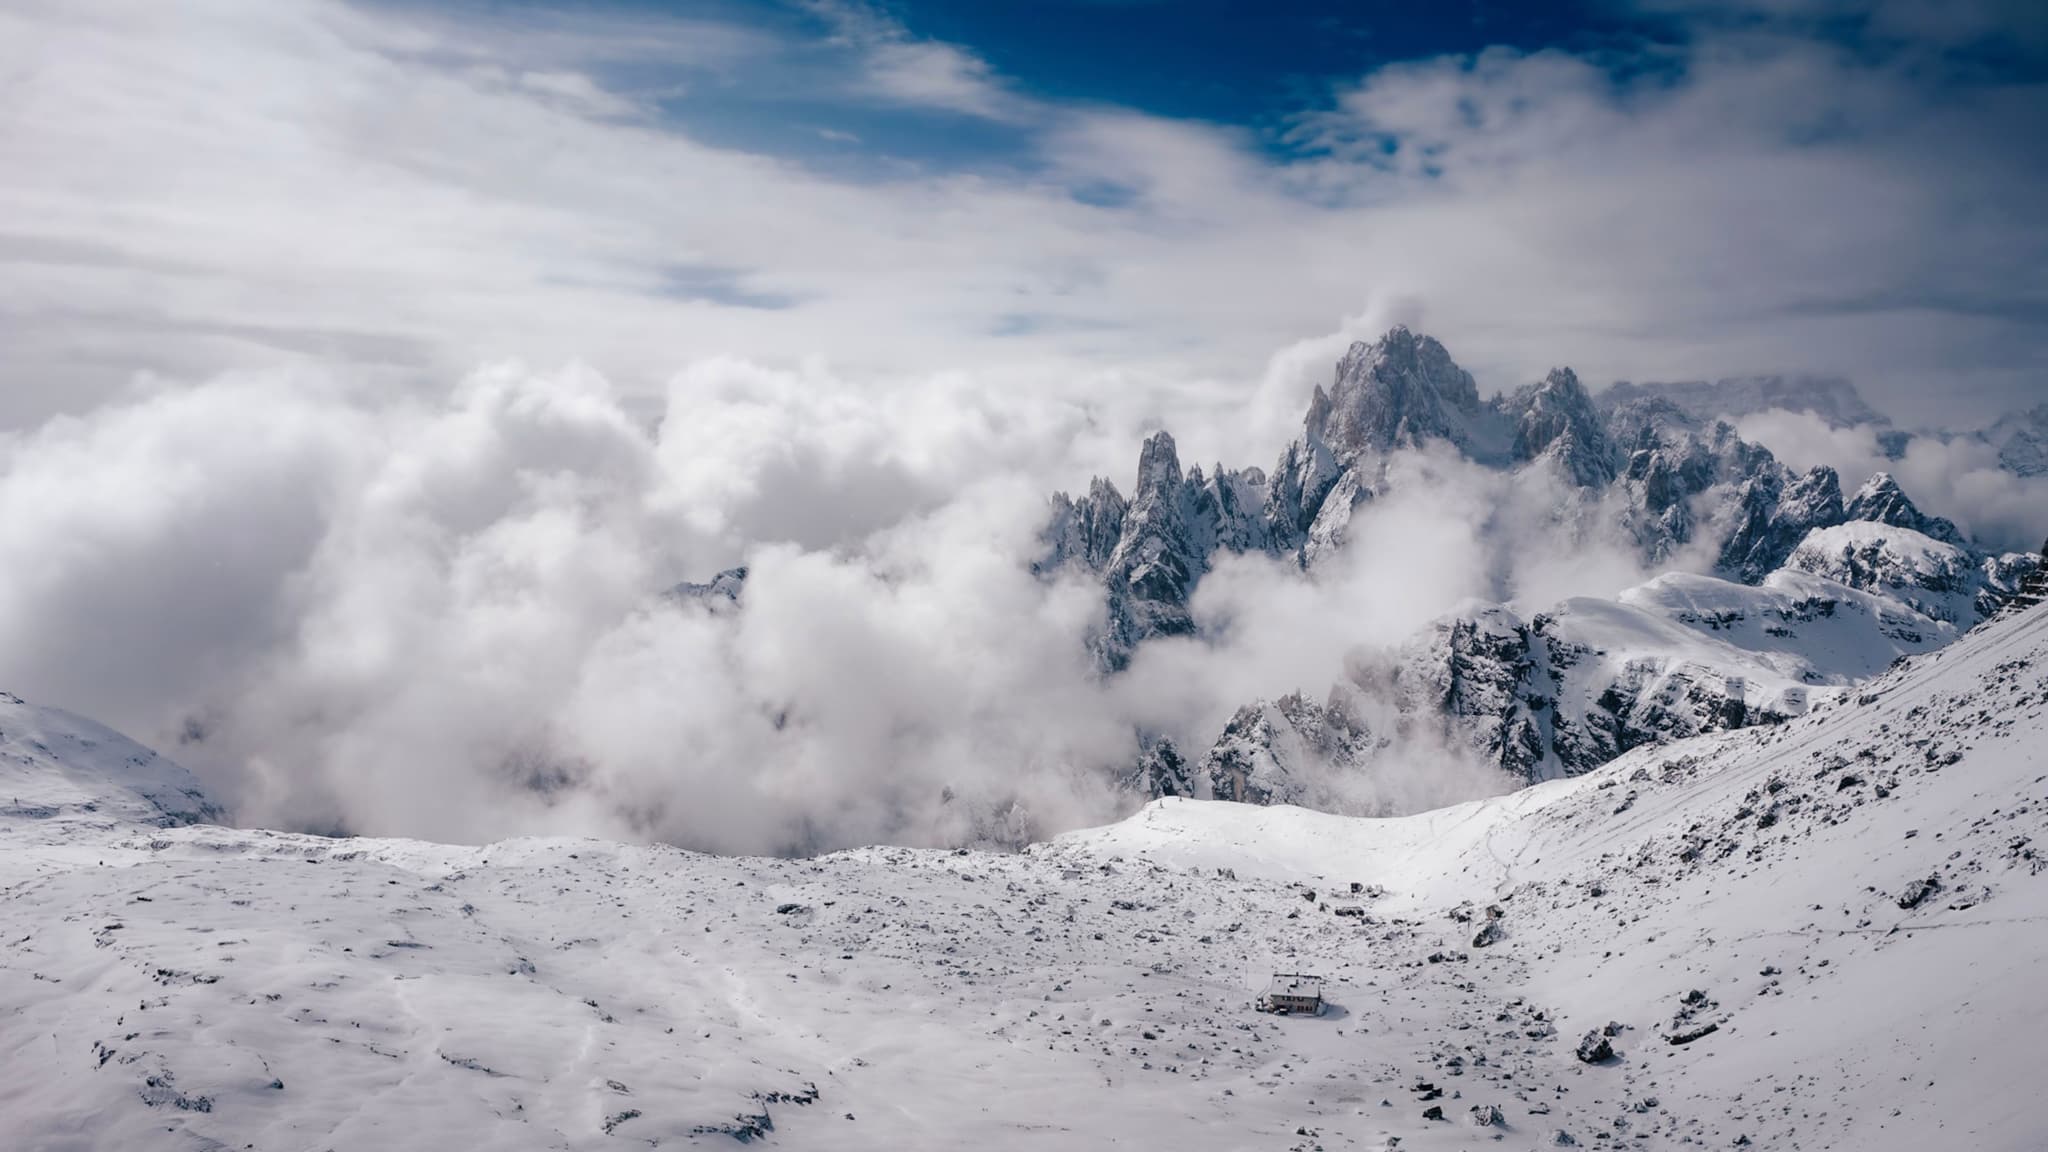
point(1543, 696)
point(1813, 590)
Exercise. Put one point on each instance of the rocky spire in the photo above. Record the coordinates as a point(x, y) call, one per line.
point(1773, 516)
point(1556, 419)
point(1399, 390)
point(1882, 501)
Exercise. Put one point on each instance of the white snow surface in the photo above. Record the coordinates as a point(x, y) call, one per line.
point(1854, 899)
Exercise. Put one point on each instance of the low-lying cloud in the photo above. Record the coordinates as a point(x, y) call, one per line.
point(444, 618)
point(1956, 476)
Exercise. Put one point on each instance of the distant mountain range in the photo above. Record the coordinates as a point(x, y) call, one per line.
point(1811, 591)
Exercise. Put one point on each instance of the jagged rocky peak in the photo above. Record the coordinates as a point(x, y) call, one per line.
point(1152, 549)
point(1398, 391)
point(1882, 501)
point(1159, 771)
point(1556, 420)
point(1670, 462)
point(1772, 516)
point(1286, 751)
point(1084, 531)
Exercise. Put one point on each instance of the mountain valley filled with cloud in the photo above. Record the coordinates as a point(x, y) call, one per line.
point(843, 575)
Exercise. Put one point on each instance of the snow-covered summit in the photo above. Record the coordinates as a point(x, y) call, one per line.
point(1882, 501)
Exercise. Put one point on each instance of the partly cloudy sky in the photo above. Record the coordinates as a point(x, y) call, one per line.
point(1060, 195)
point(371, 367)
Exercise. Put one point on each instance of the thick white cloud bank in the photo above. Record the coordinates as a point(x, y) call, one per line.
point(444, 618)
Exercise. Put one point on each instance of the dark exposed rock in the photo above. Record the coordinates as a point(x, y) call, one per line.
point(1556, 421)
point(1774, 516)
point(1693, 1032)
point(1917, 892)
point(1159, 771)
point(1595, 1049)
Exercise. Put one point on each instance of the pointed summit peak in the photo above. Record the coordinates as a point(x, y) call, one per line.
point(1556, 417)
point(1402, 389)
point(1158, 463)
point(1882, 501)
point(1564, 382)
point(1882, 484)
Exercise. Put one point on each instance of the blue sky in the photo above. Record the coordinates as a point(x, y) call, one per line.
point(1257, 66)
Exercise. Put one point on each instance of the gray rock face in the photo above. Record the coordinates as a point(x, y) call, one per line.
point(1556, 421)
point(1675, 471)
point(1772, 518)
point(1282, 752)
point(1160, 771)
point(1881, 501)
point(1477, 683)
point(1402, 390)
point(1151, 549)
point(1085, 531)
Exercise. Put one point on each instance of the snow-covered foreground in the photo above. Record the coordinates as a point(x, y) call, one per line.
point(1825, 934)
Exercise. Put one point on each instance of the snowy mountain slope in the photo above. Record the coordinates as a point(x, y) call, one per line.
point(1856, 896)
point(1564, 691)
point(53, 763)
point(1932, 577)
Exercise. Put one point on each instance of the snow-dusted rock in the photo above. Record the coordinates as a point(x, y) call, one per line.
point(1774, 516)
point(1283, 752)
point(1555, 421)
point(719, 594)
point(1881, 501)
point(1935, 578)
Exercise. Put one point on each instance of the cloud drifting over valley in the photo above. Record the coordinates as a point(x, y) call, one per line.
point(444, 618)
point(373, 371)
